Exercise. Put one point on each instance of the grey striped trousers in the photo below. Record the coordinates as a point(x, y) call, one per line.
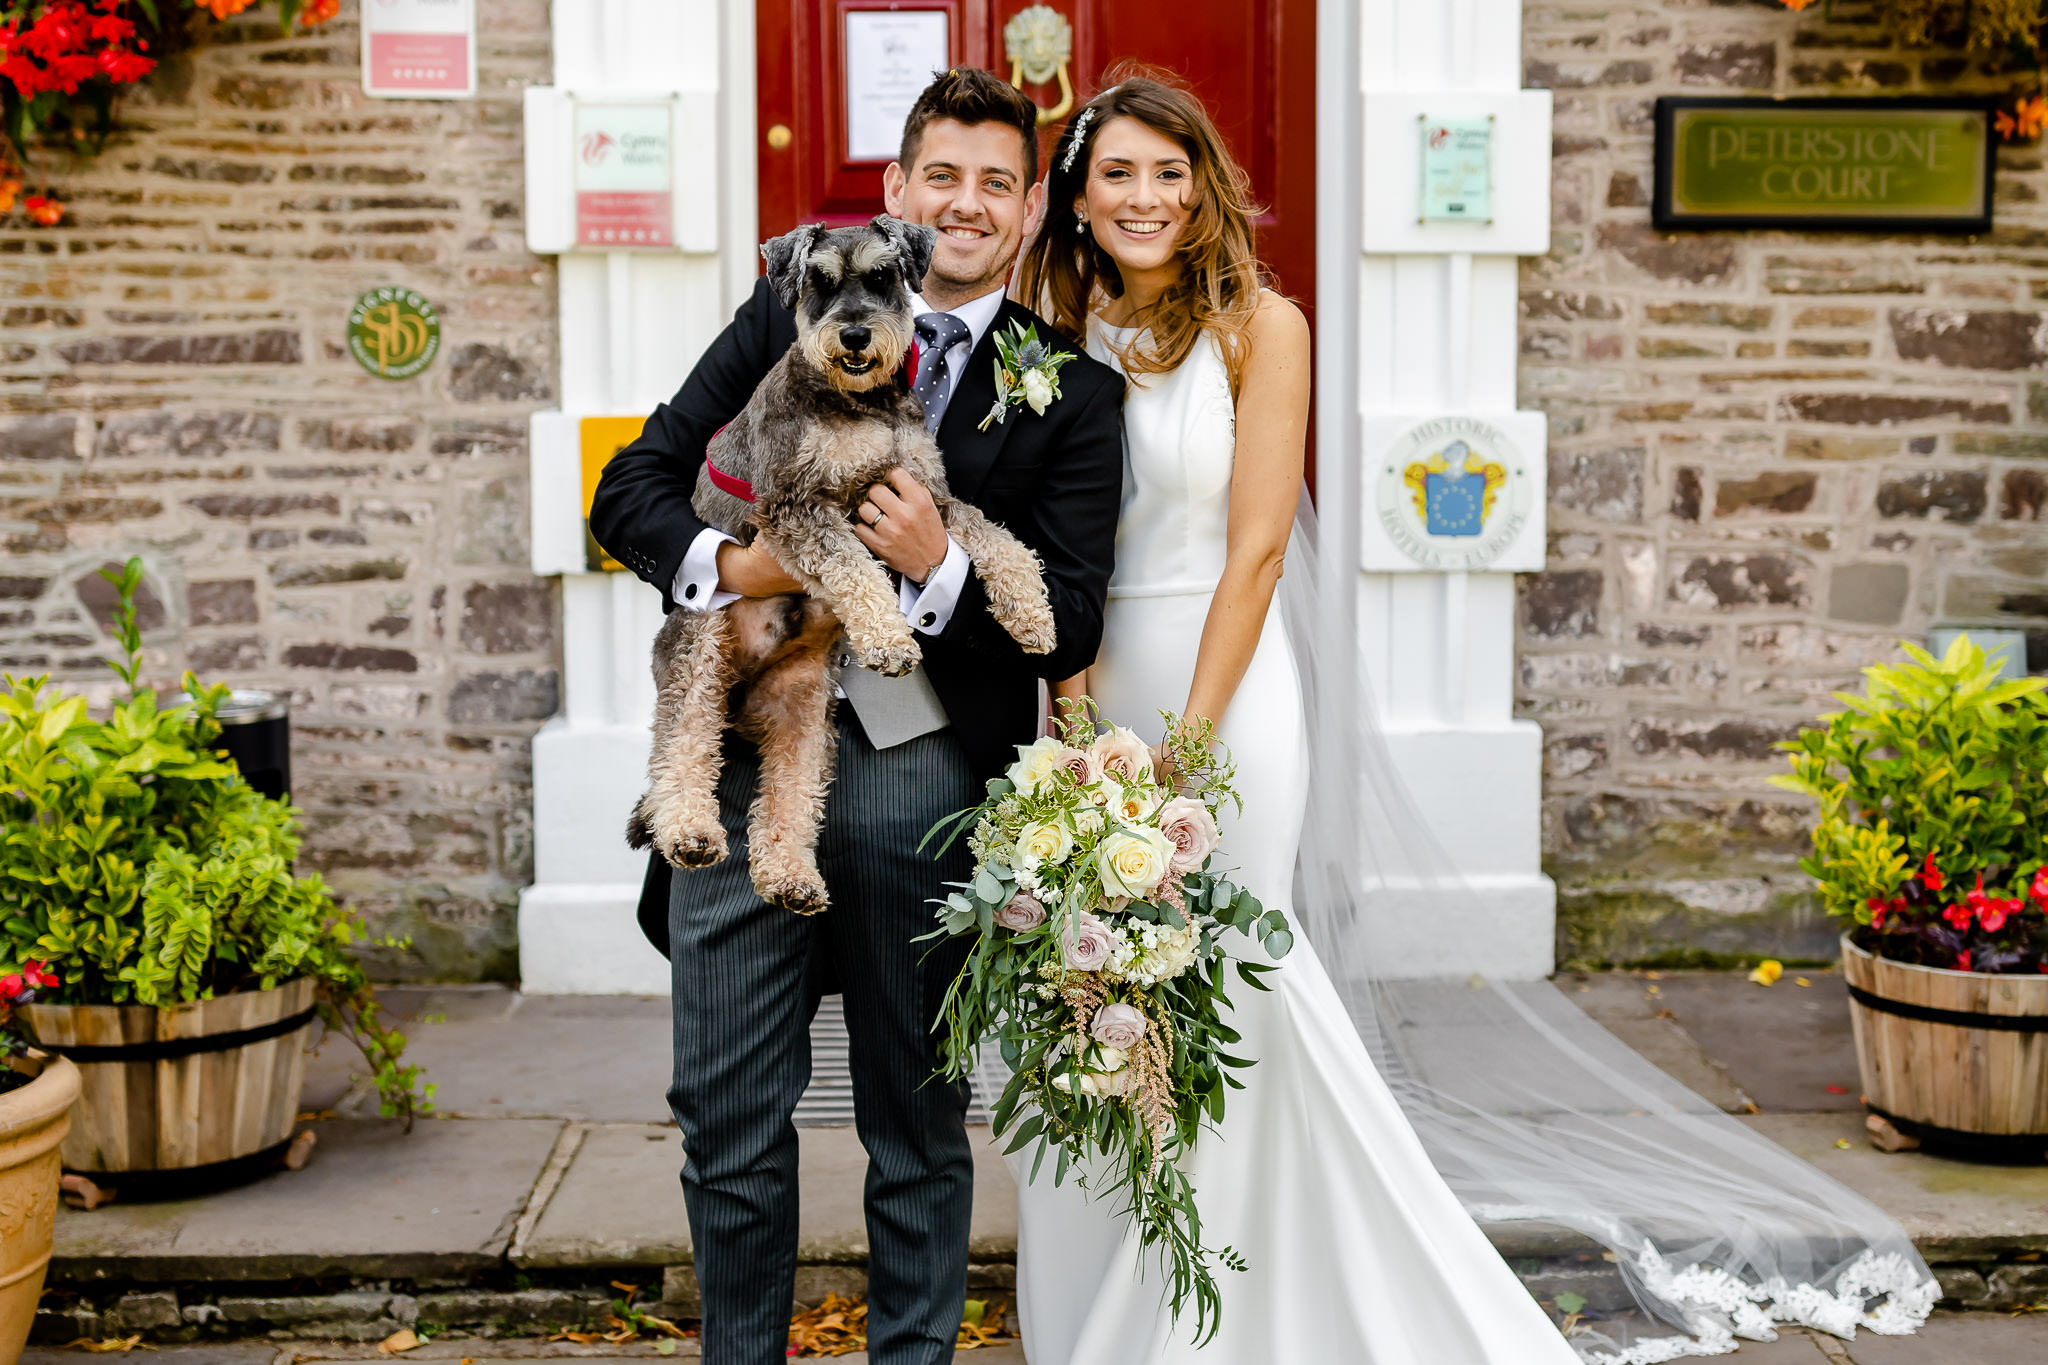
point(745, 978)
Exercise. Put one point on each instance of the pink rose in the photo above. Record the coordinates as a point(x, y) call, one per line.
point(1118, 1025)
point(1023, 913)
point(1080, 765)
point(1191, 829)
point(1122, 753)
point(1089, 947)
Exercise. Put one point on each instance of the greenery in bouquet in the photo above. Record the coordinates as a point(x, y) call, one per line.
point(138, 867)
point(1932, 795)
point(64, 65)
point(1098, 968)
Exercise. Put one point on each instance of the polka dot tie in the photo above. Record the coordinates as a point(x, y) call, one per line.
point(937, 333)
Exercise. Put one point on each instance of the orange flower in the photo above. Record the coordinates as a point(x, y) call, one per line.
point(318, 12)
point(2028, 118)
point(1796, 4)
point(8, 189)
point(222, 9)
point(43, 210)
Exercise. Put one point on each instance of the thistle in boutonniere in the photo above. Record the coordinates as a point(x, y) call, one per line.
point(1027, 371)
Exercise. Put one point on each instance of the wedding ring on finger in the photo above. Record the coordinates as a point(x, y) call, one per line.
point(876, 519)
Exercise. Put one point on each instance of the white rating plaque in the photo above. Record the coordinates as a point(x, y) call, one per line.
point(419, 49)
point(624, 174)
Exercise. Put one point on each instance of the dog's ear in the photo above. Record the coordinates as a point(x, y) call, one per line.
point(786, 256)
point(914, 243)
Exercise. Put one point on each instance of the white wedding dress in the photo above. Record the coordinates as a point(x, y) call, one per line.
point(1358, 1251)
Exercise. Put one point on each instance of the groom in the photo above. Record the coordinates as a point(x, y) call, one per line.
point(746, 977)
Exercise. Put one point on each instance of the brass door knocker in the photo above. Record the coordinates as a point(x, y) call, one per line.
point(1040, 43)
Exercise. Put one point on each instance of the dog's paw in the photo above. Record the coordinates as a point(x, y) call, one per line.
point(1031, 625)
point(685, 845)
point(890, 657)
point(800, 891)
point(639, 834)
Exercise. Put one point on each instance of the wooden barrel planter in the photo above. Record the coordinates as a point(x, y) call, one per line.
point(178, 1087)
point(33, 1121)
point(1956, 1060)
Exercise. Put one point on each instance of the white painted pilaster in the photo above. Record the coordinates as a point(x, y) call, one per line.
point(1428, 322)
point(631, 325)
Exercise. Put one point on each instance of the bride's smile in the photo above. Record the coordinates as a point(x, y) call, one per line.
point(1137, 202)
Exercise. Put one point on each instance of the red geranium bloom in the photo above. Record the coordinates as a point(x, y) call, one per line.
point(11, 986)
point(1962, 962)
point(1930, 875)
point(123, 67)
point(1958, 915)
point(2039, 890)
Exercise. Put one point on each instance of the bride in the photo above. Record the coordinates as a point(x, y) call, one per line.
point(1357, 1249)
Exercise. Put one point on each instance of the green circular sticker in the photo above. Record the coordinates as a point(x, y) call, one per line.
point(394, 332)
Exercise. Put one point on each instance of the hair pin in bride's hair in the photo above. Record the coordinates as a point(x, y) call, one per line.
point(1074, 141)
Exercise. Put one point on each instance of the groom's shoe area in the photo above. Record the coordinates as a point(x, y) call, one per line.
point(547, 1180)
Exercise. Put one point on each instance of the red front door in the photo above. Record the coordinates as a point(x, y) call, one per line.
point(1252, 62)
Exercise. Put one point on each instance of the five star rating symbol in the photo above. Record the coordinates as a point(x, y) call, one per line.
point(629, 235)
point(419, 73)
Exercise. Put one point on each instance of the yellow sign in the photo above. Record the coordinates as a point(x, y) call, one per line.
point(601, 438)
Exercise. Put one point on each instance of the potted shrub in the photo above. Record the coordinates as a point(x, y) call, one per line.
point(158, 888)
point(36, 1094)
point(1930, 847)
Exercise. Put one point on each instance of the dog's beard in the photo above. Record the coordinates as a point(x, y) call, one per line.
point(858, 371)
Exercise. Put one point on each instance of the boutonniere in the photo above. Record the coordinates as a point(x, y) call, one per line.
point(1027, 371)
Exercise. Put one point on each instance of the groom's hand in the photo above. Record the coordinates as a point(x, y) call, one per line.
point(898, 521)
point(753, 571)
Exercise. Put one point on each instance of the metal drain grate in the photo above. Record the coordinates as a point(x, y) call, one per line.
point(829, 1101)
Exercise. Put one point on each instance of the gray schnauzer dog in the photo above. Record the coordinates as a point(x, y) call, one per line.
point(834, 416)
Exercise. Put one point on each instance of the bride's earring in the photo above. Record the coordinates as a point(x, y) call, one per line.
point(1080, 220)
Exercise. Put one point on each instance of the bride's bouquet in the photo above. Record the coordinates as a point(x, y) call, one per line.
point(1098, 968)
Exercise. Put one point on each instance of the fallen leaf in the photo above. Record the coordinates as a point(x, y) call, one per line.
point(106, 1344)
point(1841, 1142)
point(1767, 972)
point(1569, 1303)
point(1801, 981)
point(404, 1339)
point(664, 1347)
point(1836, 1089)
point(1654, 976)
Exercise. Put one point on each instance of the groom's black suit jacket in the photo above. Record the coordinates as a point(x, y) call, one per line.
point(1054, 479)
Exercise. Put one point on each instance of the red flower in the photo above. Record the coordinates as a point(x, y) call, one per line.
point(1993, 916)
point(2039, 890)
point(1962, 962)
point(43, 210)
point(11, 987)
point(1958, 915)
point(319, 12)
point(1930, 875)
point(38, 973)
point(109, 28)
point(122, 67)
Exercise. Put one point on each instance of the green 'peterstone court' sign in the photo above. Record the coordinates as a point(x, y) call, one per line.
point(1846, 163)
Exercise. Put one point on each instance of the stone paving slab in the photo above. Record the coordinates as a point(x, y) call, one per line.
point(1953, 1210)
point(374, 1201)
point(620, 1202)
point(494, 1053)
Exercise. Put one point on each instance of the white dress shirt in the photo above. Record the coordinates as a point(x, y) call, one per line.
point(928, 608)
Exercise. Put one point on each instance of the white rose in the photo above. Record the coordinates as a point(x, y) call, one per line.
point(1034, 763)
point(1043, 841)
point(1037, 391)
point(1132, 861)
point(1134, 805)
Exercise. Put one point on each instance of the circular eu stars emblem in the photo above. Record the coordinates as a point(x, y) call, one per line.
point(394, 333)
point(1453, 493)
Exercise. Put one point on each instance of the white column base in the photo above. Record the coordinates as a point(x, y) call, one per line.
point(584, 940)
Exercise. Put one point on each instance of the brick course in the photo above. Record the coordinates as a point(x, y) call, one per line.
point(1773, 455)
point(174, 383)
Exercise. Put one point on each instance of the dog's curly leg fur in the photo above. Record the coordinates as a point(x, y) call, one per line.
point(839, 571)
point(692, 675)
point(791, 708)
point(1006, 566)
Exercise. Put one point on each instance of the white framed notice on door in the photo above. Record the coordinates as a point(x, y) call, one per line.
point(419, 49)
point(624, 174)
point(891, 55)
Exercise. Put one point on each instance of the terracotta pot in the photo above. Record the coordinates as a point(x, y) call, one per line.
point(1952, 1058)
point(33, 1122)
point(179, 1086)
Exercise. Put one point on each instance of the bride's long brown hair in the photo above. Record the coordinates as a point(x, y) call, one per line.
point(1066, 274)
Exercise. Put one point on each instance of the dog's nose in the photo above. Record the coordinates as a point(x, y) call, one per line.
point(856, 338)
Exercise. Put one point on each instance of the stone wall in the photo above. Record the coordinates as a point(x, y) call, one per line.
point(174, 383)
point(1773, 455)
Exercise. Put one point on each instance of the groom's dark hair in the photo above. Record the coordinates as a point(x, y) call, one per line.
point(970, 95)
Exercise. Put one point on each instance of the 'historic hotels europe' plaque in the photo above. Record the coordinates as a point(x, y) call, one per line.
point(1875, 164)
